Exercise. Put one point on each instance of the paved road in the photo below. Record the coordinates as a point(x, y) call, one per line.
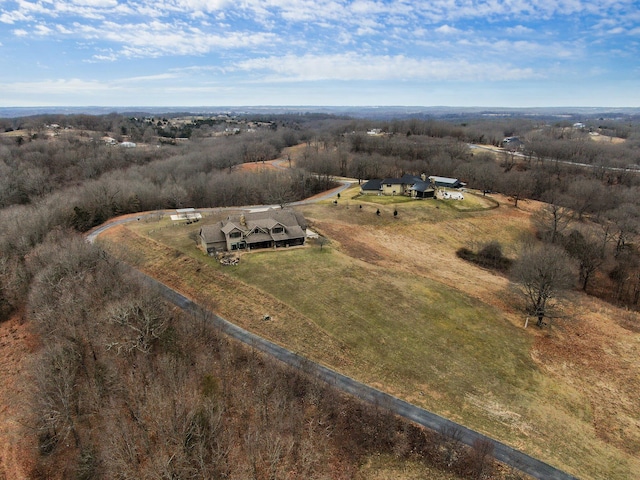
point(554, 160)
point(503, 453)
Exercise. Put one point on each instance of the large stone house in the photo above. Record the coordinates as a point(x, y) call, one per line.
point(249, 230)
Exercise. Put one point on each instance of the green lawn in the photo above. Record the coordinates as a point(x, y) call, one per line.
point(402, 331)
point(419, 339)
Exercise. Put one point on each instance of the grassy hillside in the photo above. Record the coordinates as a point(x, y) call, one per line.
point(389, 303)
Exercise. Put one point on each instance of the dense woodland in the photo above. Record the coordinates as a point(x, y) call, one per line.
point(127, 387)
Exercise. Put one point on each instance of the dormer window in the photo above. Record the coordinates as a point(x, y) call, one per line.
point(277, 229)
point(235, 234)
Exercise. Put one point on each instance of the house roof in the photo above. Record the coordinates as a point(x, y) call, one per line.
point(269, 218)
point(373, 184)
point(406, 179)
point(422, 186)
point(229, 227)
point(257, 226)
point(212, 233)
point(444, 181)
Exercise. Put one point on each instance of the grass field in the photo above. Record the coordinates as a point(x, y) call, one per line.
point(388, 302)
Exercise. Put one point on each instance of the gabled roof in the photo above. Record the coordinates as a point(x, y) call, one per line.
point(257, 226)
point(229, 227)
point(212, 233)
point(373, 184)
point(422, 186)
point(267, 219)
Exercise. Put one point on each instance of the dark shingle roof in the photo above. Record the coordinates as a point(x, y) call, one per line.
point(374, 184)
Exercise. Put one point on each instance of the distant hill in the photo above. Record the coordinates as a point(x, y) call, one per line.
point(373, 112)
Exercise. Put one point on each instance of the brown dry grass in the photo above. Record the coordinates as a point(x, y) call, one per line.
point(17, 345)
point(582, 413)
point(596, 137)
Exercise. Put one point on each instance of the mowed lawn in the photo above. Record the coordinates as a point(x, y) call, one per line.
point(389, 303)
point(403, 332)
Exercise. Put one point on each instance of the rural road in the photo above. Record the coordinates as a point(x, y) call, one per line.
point(502, 452)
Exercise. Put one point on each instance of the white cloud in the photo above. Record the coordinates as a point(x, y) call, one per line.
point(111, 57)
point(96, 3)
point(150, 78)
point(448, 30)
point(13, 17)
point(42, 30)
point(57, 87)
point(519, 30)
point(351, 66)
point(155, 38)
point(19, 32)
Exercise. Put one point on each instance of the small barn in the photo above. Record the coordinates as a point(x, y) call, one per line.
point(446, 182)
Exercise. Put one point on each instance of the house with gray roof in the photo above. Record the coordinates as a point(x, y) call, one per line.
point(398, 186)
point(372, 187)
point(269, 228)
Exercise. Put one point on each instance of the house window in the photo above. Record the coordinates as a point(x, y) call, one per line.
point(277, 230)
point(235, 235)
point(388, 185)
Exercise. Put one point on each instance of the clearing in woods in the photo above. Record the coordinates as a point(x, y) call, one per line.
point(388, 302)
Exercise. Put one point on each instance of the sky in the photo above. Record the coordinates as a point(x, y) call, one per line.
point(495, 53)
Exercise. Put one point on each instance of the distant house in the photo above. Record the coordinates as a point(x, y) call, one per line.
point(409, 185)
point(398, 186)
point(446, 182)
point(250, 230)
point(512, 143)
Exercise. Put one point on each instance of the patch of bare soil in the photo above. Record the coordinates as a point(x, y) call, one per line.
point(17, 344)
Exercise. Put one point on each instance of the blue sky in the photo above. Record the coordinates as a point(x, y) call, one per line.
point(501, 53)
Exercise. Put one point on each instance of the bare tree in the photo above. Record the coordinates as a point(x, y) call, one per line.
point(551, 221)
point(56, 396)
point(627, 221)
point(141, 322)
point(542, 272)
point(587, 251)
point(517, 185)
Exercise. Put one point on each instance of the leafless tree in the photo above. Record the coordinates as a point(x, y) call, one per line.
point(551, 221)
point(542, 272)
point(140, 322)
point(517, 185)
point(582, 246)
point(626, 218)
point(56, 395)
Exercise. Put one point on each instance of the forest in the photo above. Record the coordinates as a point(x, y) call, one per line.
point(126, 386)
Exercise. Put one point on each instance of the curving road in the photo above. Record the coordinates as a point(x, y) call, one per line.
point(502, 452)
